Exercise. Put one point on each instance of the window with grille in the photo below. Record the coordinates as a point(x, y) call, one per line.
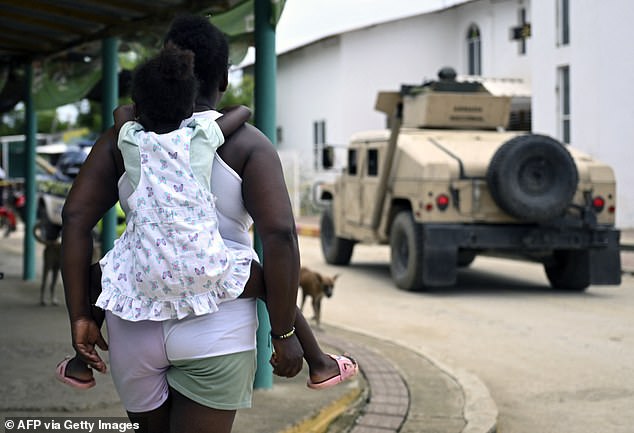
point(563, 22)
point(474, 51)
point(319, 139)
point(563, 89)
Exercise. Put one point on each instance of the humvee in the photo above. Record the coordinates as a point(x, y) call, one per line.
point(447, 182)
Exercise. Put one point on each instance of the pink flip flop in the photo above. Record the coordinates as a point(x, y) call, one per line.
point(60, 374)
point(347, 368)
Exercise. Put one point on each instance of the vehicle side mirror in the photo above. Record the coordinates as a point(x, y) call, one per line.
point(327, 157)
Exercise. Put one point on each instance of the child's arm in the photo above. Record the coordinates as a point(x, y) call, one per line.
point(233, 119)
point(123, 114)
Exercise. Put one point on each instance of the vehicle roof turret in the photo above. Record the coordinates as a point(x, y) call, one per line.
point(447, 103)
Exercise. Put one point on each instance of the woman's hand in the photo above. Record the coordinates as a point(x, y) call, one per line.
point(288, 357)
point(86, 335)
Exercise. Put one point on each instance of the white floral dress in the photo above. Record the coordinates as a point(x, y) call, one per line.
point(171, 261)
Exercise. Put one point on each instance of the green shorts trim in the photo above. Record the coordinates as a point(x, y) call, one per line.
point(220, 382)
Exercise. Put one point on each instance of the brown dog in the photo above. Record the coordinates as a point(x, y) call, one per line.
point(316, 286)
point(52, 264)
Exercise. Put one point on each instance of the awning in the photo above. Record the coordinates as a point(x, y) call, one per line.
point(62, 39)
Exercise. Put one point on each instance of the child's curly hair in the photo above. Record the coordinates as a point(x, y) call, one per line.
point(164, 88)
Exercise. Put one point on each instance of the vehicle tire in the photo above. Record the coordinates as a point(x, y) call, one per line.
point(336, 250)
point(533, 177)
point(406, 252)
point(465, 258)
point(569, 270)
point(50, 231)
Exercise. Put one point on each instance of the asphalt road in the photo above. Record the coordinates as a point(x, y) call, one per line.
point(553, 362)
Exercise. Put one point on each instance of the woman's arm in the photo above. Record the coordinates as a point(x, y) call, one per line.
point(266, 199)
point(123, 114)
point(94, 191)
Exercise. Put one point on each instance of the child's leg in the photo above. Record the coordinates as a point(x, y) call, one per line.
point(321, 366)
point(75, 368)
point(255, 285)
point(95, 290)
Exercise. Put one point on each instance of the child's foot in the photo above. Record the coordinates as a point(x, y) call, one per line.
point(75, 373)
point(338, 369)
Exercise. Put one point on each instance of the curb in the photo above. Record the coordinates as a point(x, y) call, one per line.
point(326, 416)
point(307, 230)
point(480, 411)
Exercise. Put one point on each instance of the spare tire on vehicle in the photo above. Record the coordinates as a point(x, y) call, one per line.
point(533, 178)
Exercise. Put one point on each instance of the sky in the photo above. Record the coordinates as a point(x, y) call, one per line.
point(304, 21)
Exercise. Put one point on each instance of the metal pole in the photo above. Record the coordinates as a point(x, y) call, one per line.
point(109, 101)
point(30, 118)
point(265, 119)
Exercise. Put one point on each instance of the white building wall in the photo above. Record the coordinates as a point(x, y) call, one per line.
point(341, 76)
point(307, 79)
point(308, 82)
point(495, 19)
point(381, 58)
point(546, 57)
point(337, 79)
point(601, 61)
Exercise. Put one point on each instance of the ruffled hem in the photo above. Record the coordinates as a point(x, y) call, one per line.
point(139, 307)
point(134, 309)
point(200, 295)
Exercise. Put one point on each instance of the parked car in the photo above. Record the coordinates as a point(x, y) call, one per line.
point(58, 165)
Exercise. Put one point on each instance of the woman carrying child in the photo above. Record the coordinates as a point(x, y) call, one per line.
point(166, 339)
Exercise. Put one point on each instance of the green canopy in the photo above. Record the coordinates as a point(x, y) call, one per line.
point(71, 75)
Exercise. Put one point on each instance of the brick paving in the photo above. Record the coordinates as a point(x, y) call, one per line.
point(388, 401)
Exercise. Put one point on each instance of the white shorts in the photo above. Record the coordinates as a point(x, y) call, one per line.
point(141, 353)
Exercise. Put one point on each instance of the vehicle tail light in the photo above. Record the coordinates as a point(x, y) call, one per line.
point(442, 201)
point(598, 203)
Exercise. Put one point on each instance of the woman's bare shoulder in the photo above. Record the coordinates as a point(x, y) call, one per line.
point(240, 146)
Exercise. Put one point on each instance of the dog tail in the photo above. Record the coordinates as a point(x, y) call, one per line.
point(37, 230)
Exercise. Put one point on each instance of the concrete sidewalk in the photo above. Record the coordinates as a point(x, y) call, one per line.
point(399, 390)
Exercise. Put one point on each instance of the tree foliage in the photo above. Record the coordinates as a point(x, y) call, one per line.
point(47, 122)
point(240, 93)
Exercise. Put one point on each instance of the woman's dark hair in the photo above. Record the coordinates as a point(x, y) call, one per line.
point(209, 45)
point(164, 88)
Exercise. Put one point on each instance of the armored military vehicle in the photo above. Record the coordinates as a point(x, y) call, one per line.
point(448, 182)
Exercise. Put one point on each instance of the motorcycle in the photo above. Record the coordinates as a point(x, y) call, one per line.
point(9, 213)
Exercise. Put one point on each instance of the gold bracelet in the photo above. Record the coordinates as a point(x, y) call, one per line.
point(289, 334)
